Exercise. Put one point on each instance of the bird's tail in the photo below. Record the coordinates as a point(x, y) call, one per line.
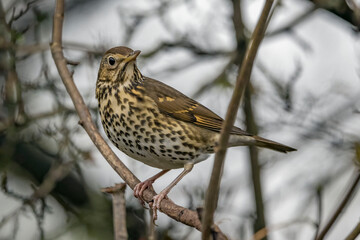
point(266, 143)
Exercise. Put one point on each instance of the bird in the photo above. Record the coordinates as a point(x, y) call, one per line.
point(156, 124)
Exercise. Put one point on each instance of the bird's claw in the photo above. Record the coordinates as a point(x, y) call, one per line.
point(155, 204)
point(140, 188)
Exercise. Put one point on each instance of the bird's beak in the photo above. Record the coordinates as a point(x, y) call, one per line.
point(133, 56)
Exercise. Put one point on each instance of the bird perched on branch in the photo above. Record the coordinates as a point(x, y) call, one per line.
point(156, 124)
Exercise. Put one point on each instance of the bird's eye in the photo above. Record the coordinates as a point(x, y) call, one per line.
point(111, 61)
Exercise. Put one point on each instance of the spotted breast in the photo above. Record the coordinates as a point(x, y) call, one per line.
point(133, 122)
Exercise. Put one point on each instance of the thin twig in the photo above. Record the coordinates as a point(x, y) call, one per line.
point(251, 127)
point(294, 22)
point(174, 211)
point(262, 233)
point(341, 206)
point(319, 210)
point(242, 80)
point(54, 175)
point(354, 233)
point(259, 221)
point(48, 184)
point(21, 13)
point(151, 233)
point(119, 210)
point(12, 214)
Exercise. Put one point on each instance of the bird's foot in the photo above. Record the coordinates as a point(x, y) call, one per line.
point(155, 204)
point(140, 188)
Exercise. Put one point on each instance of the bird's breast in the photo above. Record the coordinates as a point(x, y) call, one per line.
point(136, 126)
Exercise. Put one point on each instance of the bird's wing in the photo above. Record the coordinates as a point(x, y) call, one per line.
point(175, 104)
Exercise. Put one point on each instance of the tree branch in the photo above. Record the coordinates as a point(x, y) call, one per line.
point(341, 9)
point(294, 22)
point(48, 184)
point(174, 211)
point(319, 209)
point(242, 80)
point(251, 127)
point(119, 210)
point(354, 233)
point(341, 207)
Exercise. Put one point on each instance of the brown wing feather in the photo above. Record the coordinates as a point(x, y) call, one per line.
point(175, 104)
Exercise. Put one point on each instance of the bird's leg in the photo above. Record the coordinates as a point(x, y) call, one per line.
point(158, 198)
point(140, 187)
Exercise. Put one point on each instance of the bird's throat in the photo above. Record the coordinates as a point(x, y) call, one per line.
point(130, 76)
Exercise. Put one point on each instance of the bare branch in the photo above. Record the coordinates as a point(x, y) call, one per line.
point(319, 209)
point(242, 80)
point(119, 210)
point(21, 13)
point(151, 233)
point(185, 44)
point(291, 24)
point(341, 9)
point(262, 233)
point(7, 191)
point(54, 175)
point(354, 233)
point(341, 206)
point(14, 214)
point(251, 127)
point(220, 79)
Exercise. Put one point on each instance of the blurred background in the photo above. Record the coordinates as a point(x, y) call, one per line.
point(304, 92)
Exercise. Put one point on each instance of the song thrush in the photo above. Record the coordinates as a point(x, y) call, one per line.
point(156, 124)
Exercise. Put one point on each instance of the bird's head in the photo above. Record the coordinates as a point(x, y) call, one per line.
point(118, 65)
